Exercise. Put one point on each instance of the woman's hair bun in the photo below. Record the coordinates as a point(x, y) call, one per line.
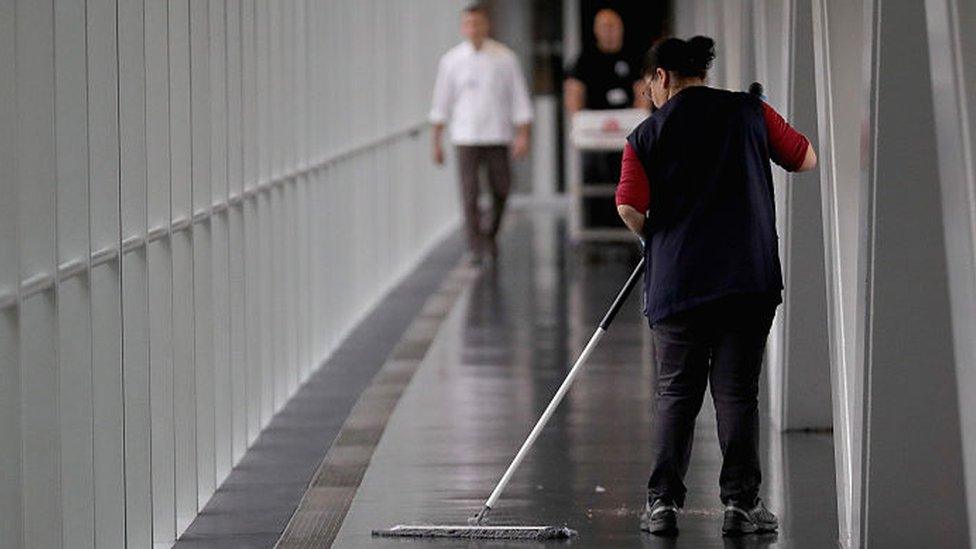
point(688, 58)
point(701, 52)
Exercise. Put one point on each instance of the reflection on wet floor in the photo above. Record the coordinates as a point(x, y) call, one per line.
point(497, 360)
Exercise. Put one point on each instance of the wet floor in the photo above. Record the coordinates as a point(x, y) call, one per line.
point(499, 356)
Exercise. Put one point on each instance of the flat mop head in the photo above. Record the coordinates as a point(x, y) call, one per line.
point(535, 533)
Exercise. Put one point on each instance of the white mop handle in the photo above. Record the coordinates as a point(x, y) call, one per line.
point(541, 424)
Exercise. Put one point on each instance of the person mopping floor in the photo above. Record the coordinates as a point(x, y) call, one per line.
point(696, 185)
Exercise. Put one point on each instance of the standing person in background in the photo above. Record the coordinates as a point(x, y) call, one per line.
point(480, 90)
point(606, 78)
point(603, 78)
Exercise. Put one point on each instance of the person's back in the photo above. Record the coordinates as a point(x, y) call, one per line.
point(711, 228)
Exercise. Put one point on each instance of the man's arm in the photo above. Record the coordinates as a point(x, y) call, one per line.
point(521, 111)
point(440, 109)
point(574, 95)
point(438, 152)
point(523, 140)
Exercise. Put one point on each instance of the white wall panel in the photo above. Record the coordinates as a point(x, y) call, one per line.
point(159, 264)
point(40, 423)
point(197, 212)
point(75, 378)
point(11, 495)
point(200, 174)
point(184, 386)
point(184, 381)
point(74, 318)
point(161, 396)
point(104, 151)
point(135, 297)
point(952, 53)
point(36, 199)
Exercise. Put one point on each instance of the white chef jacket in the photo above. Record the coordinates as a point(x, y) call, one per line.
point(482, 93)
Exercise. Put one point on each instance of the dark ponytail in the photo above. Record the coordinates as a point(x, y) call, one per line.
point(686, 58)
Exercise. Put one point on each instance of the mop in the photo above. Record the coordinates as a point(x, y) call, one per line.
point(477, 527)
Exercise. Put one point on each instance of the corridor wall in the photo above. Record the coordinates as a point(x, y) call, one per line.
point(887, 88)
point(198, 199)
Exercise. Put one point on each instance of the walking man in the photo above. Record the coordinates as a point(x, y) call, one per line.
point(481, 92)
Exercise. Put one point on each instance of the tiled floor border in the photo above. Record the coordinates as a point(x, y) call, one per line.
point(319, 516)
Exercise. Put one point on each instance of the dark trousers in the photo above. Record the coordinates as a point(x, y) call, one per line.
point(495, 160)
point(720, 343)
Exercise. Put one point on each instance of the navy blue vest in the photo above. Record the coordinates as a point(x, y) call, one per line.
point(711, 230)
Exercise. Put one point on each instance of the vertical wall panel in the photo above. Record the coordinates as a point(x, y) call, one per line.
point(235, 174)
point(74, 319)
point(839, 41)
point(107, 407)
point(160, 274)
point(805, 392)
point(200, 125)
point(40, 423)
point(11, 495)
point(9, 246)
point(219, 252)
point(36, 175)
point(184, 377)
point(135, 303)
point(162, 435)
point(103, 146)
point(184, 381)
point(77, 483)
point(249, 126)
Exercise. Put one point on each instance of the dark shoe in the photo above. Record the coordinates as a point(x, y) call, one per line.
point(740, 520)
point(660, 518)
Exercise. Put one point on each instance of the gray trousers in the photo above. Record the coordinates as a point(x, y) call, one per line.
point(495, 159)
point(721, 344)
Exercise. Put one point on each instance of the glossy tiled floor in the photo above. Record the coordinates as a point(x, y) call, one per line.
point(499, 356)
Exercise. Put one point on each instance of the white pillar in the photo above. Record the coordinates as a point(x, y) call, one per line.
point(841, 106)
point(952, 54)
point(804, 394)
point(912, 454)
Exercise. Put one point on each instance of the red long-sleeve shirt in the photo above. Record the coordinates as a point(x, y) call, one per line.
point(787, 147)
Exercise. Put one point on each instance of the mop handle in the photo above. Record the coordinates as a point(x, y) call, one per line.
point(540, 425)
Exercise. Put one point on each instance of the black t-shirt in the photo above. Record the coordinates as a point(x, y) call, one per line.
point(609, 79)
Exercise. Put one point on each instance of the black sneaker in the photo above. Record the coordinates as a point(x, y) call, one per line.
point(660, 517)
point(739, 521)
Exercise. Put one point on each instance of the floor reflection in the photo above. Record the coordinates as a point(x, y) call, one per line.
point(496, 362)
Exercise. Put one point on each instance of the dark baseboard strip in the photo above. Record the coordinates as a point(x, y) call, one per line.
point(319, 516)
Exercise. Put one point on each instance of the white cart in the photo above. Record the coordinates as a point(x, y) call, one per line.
point(594, 132)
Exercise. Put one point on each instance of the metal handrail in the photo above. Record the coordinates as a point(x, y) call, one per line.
point(43, 281)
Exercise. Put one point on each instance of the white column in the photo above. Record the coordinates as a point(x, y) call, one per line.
point(912, 448)
point(952, 54)
point(804, 394)
point(841, 107)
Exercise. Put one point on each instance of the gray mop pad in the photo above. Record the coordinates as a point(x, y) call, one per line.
point(537, 533)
